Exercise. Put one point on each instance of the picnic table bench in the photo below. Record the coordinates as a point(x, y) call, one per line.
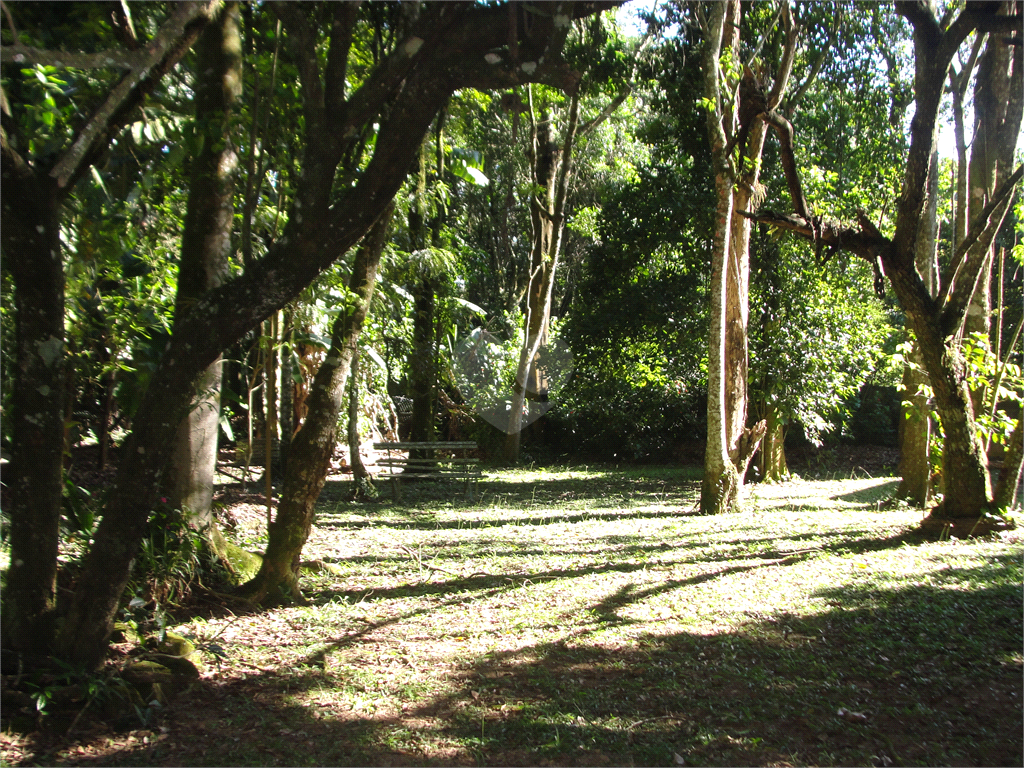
point(453, 463)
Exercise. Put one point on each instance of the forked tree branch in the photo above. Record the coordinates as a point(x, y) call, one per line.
point(961, 277)
point(164, 46)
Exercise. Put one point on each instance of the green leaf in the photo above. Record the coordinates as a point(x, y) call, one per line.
point(376, 358)
point(478, 310)
point(225, 424)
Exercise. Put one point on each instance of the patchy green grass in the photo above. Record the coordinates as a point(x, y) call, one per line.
point(589, 617)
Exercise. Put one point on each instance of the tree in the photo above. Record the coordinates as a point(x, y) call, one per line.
point(441, 48)
point(817, 339)
point(935, 322)
point(732, 123)
point(313, 445)
point(38, 174)
point(551, 175)
point(551, 171)
point(205, 249)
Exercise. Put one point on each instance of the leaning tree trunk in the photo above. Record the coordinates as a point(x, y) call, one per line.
point(205, 249)
point(548, 161)
point(313, 445)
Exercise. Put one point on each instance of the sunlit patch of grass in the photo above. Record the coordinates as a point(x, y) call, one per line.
point(590, 617)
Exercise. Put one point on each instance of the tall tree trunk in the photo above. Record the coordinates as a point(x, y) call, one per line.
point(423, 363)
point(205, 249)
point(32, 254)
point(915, 432)
point(546, 157)
point(720, 486)
point(286, 418)
point(728, 400)
point(991, 160)
point(423, 359)
point(551, 168)
point(270, 420)
point(314, 443)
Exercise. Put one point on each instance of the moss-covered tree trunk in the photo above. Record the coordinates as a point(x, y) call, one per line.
point(313, 445)
point(1005, 495)
point(720, 486)
point(773, 448)
point(362, 486)
point(915, 428)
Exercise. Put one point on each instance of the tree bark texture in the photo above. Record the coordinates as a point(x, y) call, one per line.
point(915, 432)
point(313, 445)
point(205, 249)
point(773, 448)
point(422, 368)
point(1005, 495)
point(720, 486)
point(729, 401)
point(915, 436)
point(997, 119)
point(361, 483)
point(443, 50)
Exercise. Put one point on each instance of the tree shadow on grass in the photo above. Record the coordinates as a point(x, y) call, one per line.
point(427, 520)
point(555, 489)
point(904, 673)
point(882, 491)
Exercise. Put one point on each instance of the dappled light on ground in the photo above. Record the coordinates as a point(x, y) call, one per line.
point(595, 620)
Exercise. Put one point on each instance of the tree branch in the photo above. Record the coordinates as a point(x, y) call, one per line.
point(627, 89)
point(962, 275)
point(343, 21)
point(788, 57)
point(979, 227)
point(784, 130)
point(155, 55)
point(301, 43)
point(112, 59)
point(816, 66)
point(863, 242)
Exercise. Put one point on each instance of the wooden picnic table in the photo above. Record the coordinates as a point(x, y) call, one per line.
point(429, 461)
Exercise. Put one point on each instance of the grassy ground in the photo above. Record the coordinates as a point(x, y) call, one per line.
point(589, 617)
